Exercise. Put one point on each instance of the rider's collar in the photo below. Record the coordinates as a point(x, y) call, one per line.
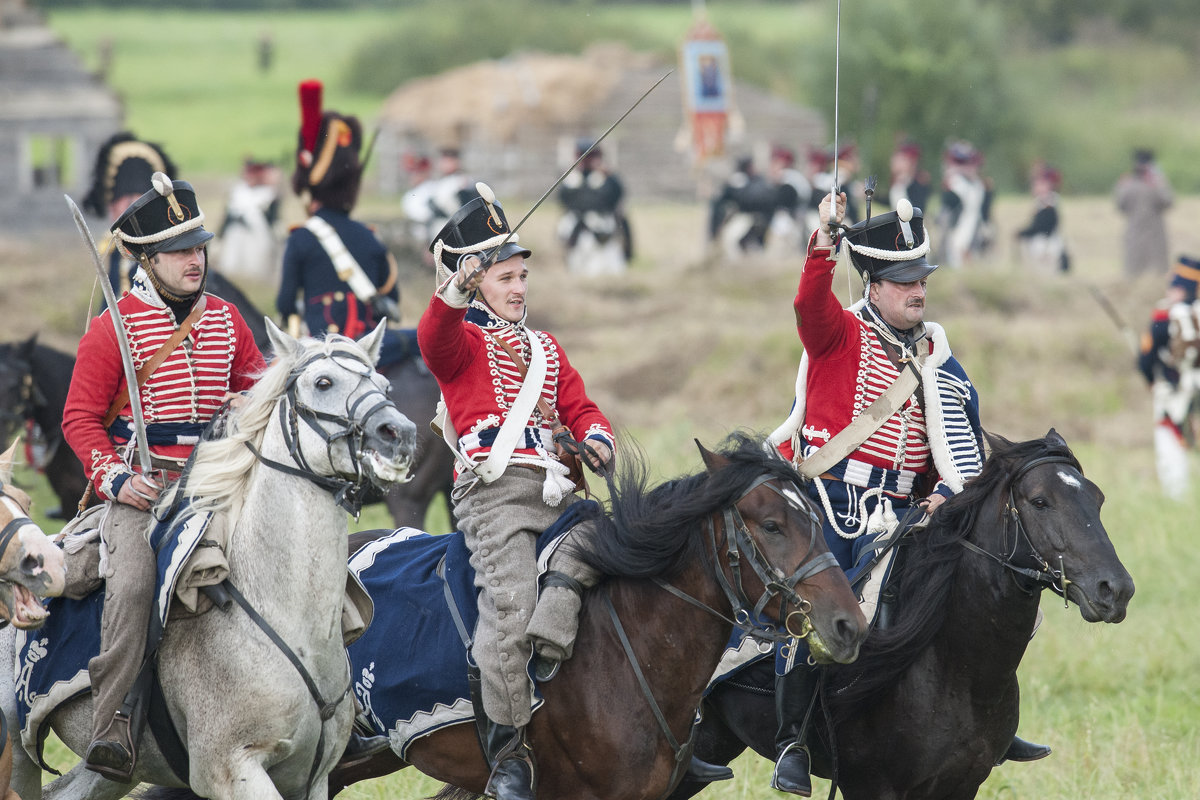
point(905, 339)
point(481, 314)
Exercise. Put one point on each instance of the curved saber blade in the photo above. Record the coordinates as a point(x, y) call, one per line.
point(584, 155)
point(837, 62)
point(135, 399)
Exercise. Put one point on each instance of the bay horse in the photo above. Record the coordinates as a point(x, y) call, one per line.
point(263, 706)
point(30, 567)
point(931, 704)
point(738, 541)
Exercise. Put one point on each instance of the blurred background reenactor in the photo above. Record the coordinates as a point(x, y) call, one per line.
point(1144, 195)
point(964, 215)
point(246, 245)
point(343, 274)
point(1170, 362)
point(793, 190)
point(1041, 242)
point(594, 229)
point(417, 203)
point(820, 165)
point(121, 174)
point(741, 213)
point(908, 181)
point(451, 190)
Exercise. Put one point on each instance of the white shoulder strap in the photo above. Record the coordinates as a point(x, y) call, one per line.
point(513, 429)
point(343, 263)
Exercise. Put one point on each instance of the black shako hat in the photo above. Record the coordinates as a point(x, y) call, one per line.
point(123, 166)
point(165, 219)
point(476, 229)
point(891, 246)
point(327, 152)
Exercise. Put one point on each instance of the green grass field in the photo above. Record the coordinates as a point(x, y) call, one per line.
point(683, 348)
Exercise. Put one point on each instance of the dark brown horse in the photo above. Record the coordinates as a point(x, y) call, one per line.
point(931, 704)
point(685, 559)
point(33, 389)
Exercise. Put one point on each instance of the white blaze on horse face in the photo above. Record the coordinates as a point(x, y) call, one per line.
point(793, 497)
point(1069, 480)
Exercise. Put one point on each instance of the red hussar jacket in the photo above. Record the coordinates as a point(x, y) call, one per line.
point(479, 381)
point(180, 397)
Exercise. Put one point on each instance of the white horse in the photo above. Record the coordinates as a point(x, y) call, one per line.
point(30, 566)
point(317, 422)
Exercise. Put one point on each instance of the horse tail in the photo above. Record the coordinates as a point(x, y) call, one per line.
point(448, 792)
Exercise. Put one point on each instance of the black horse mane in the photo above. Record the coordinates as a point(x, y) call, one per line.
point(927, 575)
point(656, 531)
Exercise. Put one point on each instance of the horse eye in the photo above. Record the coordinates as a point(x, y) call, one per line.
point(772, 527)
point(1039, 502)
point(323, 383)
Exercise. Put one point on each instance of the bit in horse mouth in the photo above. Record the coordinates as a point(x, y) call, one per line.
point(388, 470)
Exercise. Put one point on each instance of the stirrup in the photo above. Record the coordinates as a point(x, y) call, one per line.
point(798, 784)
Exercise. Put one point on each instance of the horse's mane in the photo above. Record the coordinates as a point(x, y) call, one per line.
point(926, 576)
point(655, 531)
point(221, 466)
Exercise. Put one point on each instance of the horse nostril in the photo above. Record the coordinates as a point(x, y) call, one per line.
point(388, 432)
point(32, 565)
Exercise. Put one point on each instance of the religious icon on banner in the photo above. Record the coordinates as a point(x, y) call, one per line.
point(708, 89)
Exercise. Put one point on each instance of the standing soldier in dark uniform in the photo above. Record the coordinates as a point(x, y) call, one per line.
point(909, 182)
point(120, 176)
point(1169, 362)
point(592, 197)
point(346, 275)
point(741, 214)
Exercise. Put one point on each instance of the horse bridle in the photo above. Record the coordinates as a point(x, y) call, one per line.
point(1043, 575)
point(27, 396)
point(747, 616)
point(349, 492)
point(737, 539)
point(19, 519)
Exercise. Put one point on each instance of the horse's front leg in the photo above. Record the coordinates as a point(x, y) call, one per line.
point(240, 778)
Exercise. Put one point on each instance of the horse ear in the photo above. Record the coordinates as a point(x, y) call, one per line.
point(7, 460)
point(1053, 437)
point(281, 341)
point(373, 341)
point(27, 347)
point(712, 461)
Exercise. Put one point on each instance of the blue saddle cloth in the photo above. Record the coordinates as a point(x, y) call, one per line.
point(52, 661)
point(410, 667)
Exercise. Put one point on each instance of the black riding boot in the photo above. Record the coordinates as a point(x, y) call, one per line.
point(704, 772)
point(511, 761)
point(1021, 750)
point(794, 695)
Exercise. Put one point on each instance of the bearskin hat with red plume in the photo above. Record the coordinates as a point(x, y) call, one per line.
point(123, 168)
point(327, 155)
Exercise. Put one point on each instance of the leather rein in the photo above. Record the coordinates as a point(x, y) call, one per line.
point(348, 492)
point(747, 616)
point(17, 521)
point(1042, 574)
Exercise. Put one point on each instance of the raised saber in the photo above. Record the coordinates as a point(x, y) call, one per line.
point(110, 297)
point(837, 60)
point(563, 177)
